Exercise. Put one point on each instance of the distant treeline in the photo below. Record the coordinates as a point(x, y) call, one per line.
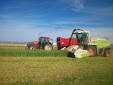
point(24, 42)
point(13, 42)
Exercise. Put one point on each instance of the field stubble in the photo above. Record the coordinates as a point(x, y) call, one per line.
point(54, 70)
point(11, 44)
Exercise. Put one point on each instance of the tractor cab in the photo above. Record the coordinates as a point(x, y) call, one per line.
point(45, 43)
point(43, 40)
point(82, 36)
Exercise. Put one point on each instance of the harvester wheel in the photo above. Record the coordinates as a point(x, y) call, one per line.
point(59, 48)
point(107, 53)
point(92, 51)
point(32, 47)
point(48, 47)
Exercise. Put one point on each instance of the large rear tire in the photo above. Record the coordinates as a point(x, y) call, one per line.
point(48, 47)
point(92, 51)
point(107, 52)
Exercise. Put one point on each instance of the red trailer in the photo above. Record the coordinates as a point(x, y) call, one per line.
point(66, 42)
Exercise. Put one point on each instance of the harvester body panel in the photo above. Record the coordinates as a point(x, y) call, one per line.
point(101, 43)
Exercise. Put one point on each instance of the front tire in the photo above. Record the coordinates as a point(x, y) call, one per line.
point(92, 51)
point(48, 47)
point(32, 47)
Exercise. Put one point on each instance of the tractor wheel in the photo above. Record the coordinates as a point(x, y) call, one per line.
point(32, 47)
point(107, 53)
point(92, 51)
point(48, 47)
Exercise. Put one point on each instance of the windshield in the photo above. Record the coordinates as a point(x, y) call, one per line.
point(44, 40)
point(82, 37)
point(79, 35)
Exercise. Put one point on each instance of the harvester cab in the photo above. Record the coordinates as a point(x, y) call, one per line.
point(82, 36)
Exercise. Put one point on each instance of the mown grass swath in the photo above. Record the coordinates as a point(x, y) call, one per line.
point(56, 71)
point(21, 51)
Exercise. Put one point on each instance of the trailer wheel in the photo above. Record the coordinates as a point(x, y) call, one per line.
point(107, 53)
point(32, 47)
point(48, 47)
point(92, 51)
point(59, 48)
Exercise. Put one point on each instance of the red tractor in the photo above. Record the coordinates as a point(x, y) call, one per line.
point(43, 43)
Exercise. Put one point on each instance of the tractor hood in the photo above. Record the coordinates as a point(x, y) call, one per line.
point(33, 42)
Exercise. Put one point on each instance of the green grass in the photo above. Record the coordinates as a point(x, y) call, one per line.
point(54, 70)
point(21, 51)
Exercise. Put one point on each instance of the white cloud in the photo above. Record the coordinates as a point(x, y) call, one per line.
point(99, 10)
point(23, 32)
point(75, 5)
point(78, 5)
point(94, 17)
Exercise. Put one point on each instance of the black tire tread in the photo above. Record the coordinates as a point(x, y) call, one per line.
point(33, 47)
point(106, 51)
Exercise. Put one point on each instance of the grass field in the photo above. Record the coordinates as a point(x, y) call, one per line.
point(13, 51)
point(19, 66)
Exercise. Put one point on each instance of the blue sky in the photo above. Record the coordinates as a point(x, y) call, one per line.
point(27, 20)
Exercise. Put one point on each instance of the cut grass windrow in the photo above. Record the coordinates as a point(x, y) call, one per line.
point(9, 52)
